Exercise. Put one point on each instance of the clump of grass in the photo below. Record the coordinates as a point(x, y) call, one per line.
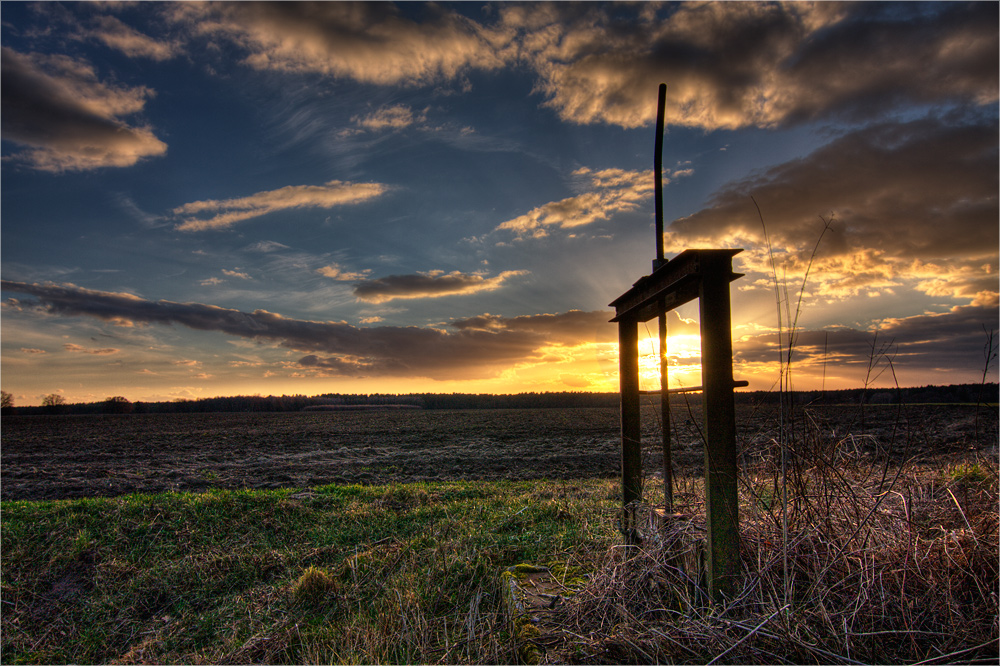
point(314, 585)
point(970, 474)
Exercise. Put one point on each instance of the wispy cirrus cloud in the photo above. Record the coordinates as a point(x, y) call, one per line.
point(69, 120)
point(470, 349)
point(225, 213)
point(610, 191)
point(433, 284)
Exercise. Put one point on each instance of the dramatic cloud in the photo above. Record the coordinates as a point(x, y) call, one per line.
point(915, 200)
point(68, 119)
point(432, 284)
point(230, 211)
point(471, 350)
point(737, 64)
point(951, 341)
point(372, 43)
point(612, 191)
point(727, 64)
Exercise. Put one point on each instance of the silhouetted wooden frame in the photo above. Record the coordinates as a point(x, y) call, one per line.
point(704, 275)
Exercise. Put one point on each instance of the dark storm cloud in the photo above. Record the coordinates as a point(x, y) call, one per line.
point(428, 285)
point(466, 352)
point(66, 118)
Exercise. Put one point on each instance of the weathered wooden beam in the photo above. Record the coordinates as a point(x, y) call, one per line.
point(628, 369)
point(671, 285)
point(721, 501)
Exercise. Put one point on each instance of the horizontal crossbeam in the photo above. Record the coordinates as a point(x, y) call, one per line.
point(670, 286)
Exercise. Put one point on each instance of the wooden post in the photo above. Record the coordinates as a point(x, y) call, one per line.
point(721, 502)
point(628, 368)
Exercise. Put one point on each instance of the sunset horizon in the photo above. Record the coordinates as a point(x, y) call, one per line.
point(224, 199)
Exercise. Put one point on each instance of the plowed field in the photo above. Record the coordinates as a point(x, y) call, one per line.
point(56, 457)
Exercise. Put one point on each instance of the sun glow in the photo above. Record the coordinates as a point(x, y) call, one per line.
point(683, 361)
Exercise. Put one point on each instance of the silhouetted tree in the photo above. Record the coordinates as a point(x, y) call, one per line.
point(117, 405)
point(6, 402)
point(54, 403)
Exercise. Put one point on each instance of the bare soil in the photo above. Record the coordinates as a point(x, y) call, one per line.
point(60, 457)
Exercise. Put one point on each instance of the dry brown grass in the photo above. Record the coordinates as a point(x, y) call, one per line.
point(882, 563)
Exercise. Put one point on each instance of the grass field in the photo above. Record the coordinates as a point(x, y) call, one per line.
point(346, 574)
point(410, 574)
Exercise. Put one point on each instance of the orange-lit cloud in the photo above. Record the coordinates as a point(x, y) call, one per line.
point(337, 272)
point(393, 117)
point(84, 350)
point(230, 211)
point(368, 43)
point(67, 119)
point(432, 284)
point(113, 33)
point(611, 191)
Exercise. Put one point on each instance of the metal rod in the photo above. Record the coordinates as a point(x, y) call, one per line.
point(668, 471)
point(668, 481)
point(693, 389)
point(661, 104)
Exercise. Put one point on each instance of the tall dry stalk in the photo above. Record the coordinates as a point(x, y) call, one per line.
point(785, 353)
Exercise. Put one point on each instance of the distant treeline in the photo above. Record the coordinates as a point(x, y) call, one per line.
point(955, 393)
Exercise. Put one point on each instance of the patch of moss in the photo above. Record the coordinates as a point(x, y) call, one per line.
point(570, 576)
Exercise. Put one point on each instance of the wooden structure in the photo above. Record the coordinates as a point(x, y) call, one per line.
point(704, 275)
point(694, 274)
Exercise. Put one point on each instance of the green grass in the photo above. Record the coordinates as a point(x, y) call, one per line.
point(355, 574)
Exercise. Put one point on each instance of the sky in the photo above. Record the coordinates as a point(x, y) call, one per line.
point(215, 199)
